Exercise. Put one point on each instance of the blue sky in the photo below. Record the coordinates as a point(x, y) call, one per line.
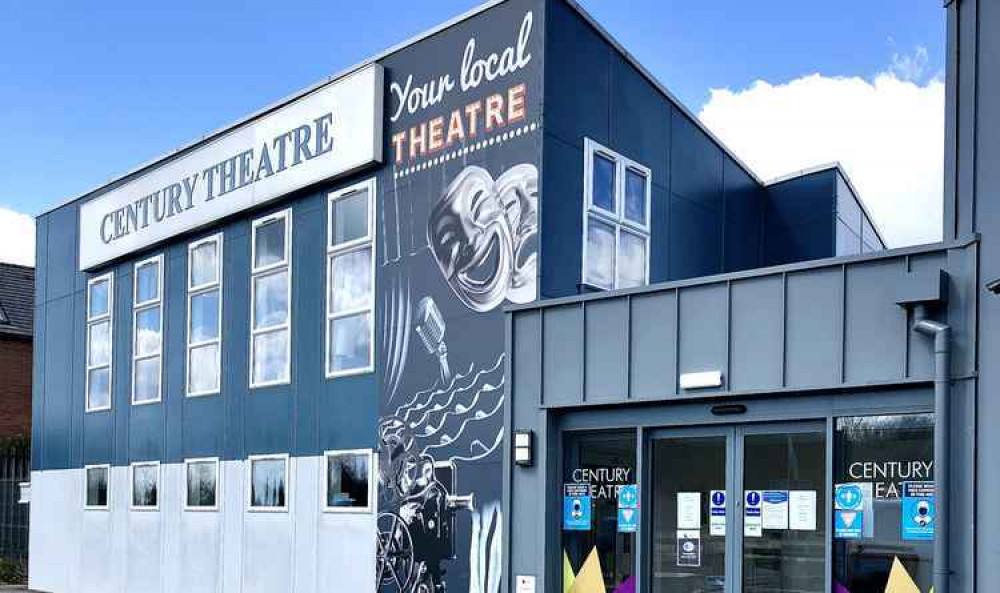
point(88, 92)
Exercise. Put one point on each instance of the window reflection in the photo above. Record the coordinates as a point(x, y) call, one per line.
point(883, 452)
point(267, 483)
point(144, 485)
point(97, 486)
point(202, 483)
point(347, 476)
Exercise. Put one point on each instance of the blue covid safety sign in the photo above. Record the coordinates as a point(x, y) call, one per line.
point(577, 507)
point(918, 511)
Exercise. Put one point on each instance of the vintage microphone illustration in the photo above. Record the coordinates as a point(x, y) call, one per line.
point(430, 327)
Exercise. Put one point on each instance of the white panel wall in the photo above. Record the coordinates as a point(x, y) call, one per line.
point(303, 550)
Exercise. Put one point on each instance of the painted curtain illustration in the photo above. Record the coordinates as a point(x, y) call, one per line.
point(457, 238)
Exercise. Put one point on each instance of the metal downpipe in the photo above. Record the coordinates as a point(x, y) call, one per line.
point(941, 333)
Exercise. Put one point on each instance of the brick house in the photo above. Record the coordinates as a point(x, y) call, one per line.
point(17, 296)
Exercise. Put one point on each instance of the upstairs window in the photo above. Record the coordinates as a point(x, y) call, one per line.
point(350, 281)
point(100, 304)
point(147, 331)
point(204, 332)
point(616, 220)
point(270, 288)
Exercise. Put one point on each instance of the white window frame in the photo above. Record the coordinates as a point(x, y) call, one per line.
point(333, 251)
point(255, 272)
point(192, 292)
point(325, 480)
point(616, 219)
point(86, 470)
point(131, 485)
point(288, 483)
point(218, 484)
point(140, 307)
point(92, 321)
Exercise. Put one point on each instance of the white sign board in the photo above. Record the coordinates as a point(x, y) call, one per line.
point(329, 132)
point(689, 510)
point(525, 584)
point(802, 511)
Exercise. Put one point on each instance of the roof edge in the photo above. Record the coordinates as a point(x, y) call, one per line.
point(839, 168)
point(634, 62)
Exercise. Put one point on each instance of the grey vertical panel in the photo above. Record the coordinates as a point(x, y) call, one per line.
point(57, 384)
point(654, 345)
point(756, 333)
point(562, 355)
point(526, 483)
point(813, 304)
point(704, 340)
point(607, 350)
point(875, 328)
point(527, 360)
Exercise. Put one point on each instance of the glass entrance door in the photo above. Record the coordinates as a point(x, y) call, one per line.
point(738, 509)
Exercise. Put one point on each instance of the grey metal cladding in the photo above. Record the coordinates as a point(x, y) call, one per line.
point(829, 324)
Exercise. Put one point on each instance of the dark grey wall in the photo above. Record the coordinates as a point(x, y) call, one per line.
point(826, 334)
point(972, 184)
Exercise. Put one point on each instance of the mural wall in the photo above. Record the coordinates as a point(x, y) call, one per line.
point(457, 238)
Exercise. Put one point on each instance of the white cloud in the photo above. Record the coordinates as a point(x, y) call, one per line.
point(887, 132)
point(17, 238)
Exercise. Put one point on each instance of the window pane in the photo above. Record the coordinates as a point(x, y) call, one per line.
point(350, 284)
point(98, 299)
point(351, 339)
point(203, 369)
point(201, 484)
point(99, 343)
point(271, 300)
point(147, 282)
point(204, 317)
point(267, 483)
point(631, 260)
point(635, 196)
point(347, 480)
point(144, 485)
point(604, 183)
point(97, 487)
point(600, 254)
point(877, 456)
point(270, 357)
point(147, 379)
point(147, 331)
point(349, 218)
point(205, 264)
point(99, 388)
point(270, 243)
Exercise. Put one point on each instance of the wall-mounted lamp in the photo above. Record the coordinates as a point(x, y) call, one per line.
point(993, 286)
point(701, 380)
point(524, 454)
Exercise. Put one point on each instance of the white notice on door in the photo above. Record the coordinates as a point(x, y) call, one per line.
point(802, 510)
point(689, 510)
point(775, 509)
point(525, 584)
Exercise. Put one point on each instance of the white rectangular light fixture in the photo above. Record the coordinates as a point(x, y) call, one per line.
point(702, 380)
point(25, 493)
point(523, 454)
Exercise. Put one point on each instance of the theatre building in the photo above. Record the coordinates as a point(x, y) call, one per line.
point(492, 311)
